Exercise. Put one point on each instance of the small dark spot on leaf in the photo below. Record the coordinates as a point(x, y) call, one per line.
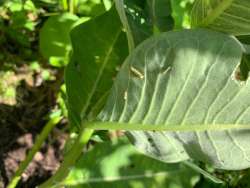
point(75, 63)
point(132, 165)
point(150, 139)
point(153, 145)
point(77, 66)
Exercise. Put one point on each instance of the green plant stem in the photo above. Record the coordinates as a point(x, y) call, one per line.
point(121, 11)
point(39, 141)
point(69, 159)
point(72, 6)
point(143, 127)
point(65, 5)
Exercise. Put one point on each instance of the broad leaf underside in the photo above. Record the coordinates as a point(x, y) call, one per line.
point(185, 78)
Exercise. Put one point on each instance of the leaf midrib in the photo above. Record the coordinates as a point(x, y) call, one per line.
point(106, 125)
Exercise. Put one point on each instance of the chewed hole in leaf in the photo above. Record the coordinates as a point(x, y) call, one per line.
point(239, 77)
point(243, 71)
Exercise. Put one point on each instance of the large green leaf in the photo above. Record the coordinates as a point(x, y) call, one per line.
point(184, 81)
point(99, 46)
point(230, 16)
point(118, 164)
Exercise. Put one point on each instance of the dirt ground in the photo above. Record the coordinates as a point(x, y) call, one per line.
point(20, 123)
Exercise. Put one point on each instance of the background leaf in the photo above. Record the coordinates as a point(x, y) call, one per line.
point(98, 49)
point(229, 16)
point(141, 19)
point(160, 14)
point(54, 37)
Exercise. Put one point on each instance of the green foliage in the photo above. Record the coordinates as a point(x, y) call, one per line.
point(54, 35)
point(141, 20)
point(160, 15)
point(153, 88)
point(92, 7)
point(17, 22)
point(180, 95)
point(181, 13)
point(118, 164)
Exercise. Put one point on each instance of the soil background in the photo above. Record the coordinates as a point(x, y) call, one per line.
point(21, 122)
